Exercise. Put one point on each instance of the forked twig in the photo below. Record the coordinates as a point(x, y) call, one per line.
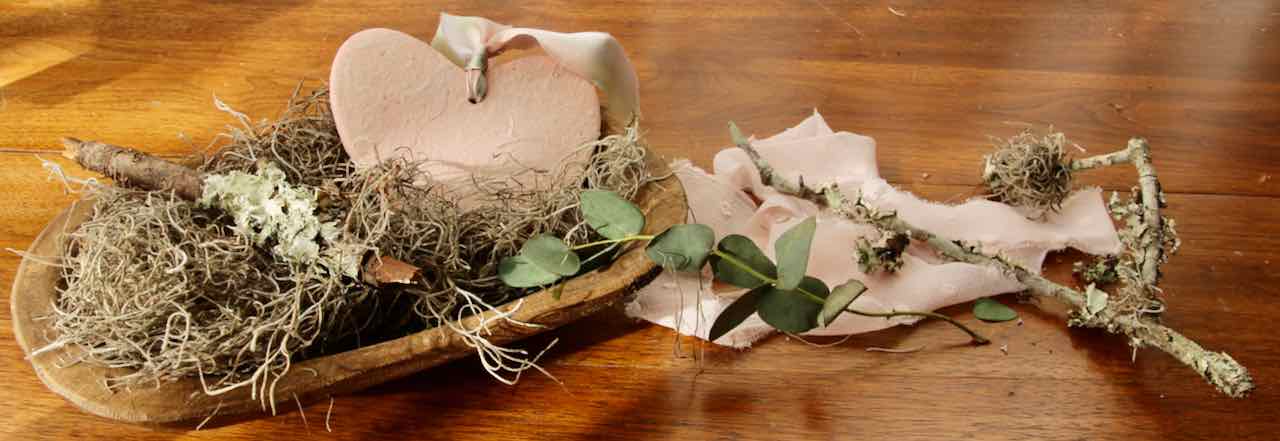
point(1218, 368)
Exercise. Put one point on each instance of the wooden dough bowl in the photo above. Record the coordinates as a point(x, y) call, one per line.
point(183, 402)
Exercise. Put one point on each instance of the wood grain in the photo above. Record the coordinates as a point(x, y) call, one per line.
point(1200, 79)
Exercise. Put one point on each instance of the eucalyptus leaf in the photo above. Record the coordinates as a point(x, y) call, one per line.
point(791, 310)
point(989, 310)
point(736, 312)
point(611, 215)
point(518, 272)
point(792, 251)
point(682, 247)
point(840, 299)
point(746, 251)
point(551, 254)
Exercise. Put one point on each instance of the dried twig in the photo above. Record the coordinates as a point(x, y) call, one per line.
point(1218, 368)
point(1138, 153)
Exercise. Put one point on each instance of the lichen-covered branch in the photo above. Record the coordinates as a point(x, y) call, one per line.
point(1109, 159)
point(1218, 368)
point(767, 174)
point(1138, 153)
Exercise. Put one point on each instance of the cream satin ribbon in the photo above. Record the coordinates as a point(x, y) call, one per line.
point(596, 56)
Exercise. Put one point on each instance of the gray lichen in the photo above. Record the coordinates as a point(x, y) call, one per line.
point(1095, 300)
point(1100, 270)
point(1137, 235)
point(883, 256)
point(266, 208)
point(1138, 293)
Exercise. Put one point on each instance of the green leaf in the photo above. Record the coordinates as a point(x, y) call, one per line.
point(840, 299)
point(736, 312)
point(551, 254)
point(790, 310)
point(989, 310)
point(611, 215)
point(746, 251)
point(518, 272)
point(736, 134)
point(792, 250)
point(682, 247)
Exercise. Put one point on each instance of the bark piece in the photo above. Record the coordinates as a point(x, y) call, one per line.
point(134, 168)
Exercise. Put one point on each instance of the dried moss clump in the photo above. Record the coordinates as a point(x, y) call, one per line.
point(159, 286)
point(1030, 171)
point(170, 289)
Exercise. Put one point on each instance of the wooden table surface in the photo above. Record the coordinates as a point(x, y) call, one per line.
point(930, 81)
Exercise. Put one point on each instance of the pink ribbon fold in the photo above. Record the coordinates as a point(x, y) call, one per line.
point(689, 303)
point(596, 56)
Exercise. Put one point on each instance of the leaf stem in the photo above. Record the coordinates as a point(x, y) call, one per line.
point(609, 241)
point(978, 339)
point(733, 260)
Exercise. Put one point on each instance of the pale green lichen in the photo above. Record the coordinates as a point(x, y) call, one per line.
point(1136, 234)
point(1095, 300)
point(266, 208)
point(1100, 270)
point(1088, 315)
point(883, 256)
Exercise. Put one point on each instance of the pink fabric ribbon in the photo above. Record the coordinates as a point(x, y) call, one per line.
point(596, 56)
point(690, 304)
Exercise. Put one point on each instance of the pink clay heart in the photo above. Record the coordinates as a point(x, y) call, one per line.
point(394, 96)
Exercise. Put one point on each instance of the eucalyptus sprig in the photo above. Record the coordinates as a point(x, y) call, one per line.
point(781, 292)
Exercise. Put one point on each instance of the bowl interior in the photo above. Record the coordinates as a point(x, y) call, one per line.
point(34, 292)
